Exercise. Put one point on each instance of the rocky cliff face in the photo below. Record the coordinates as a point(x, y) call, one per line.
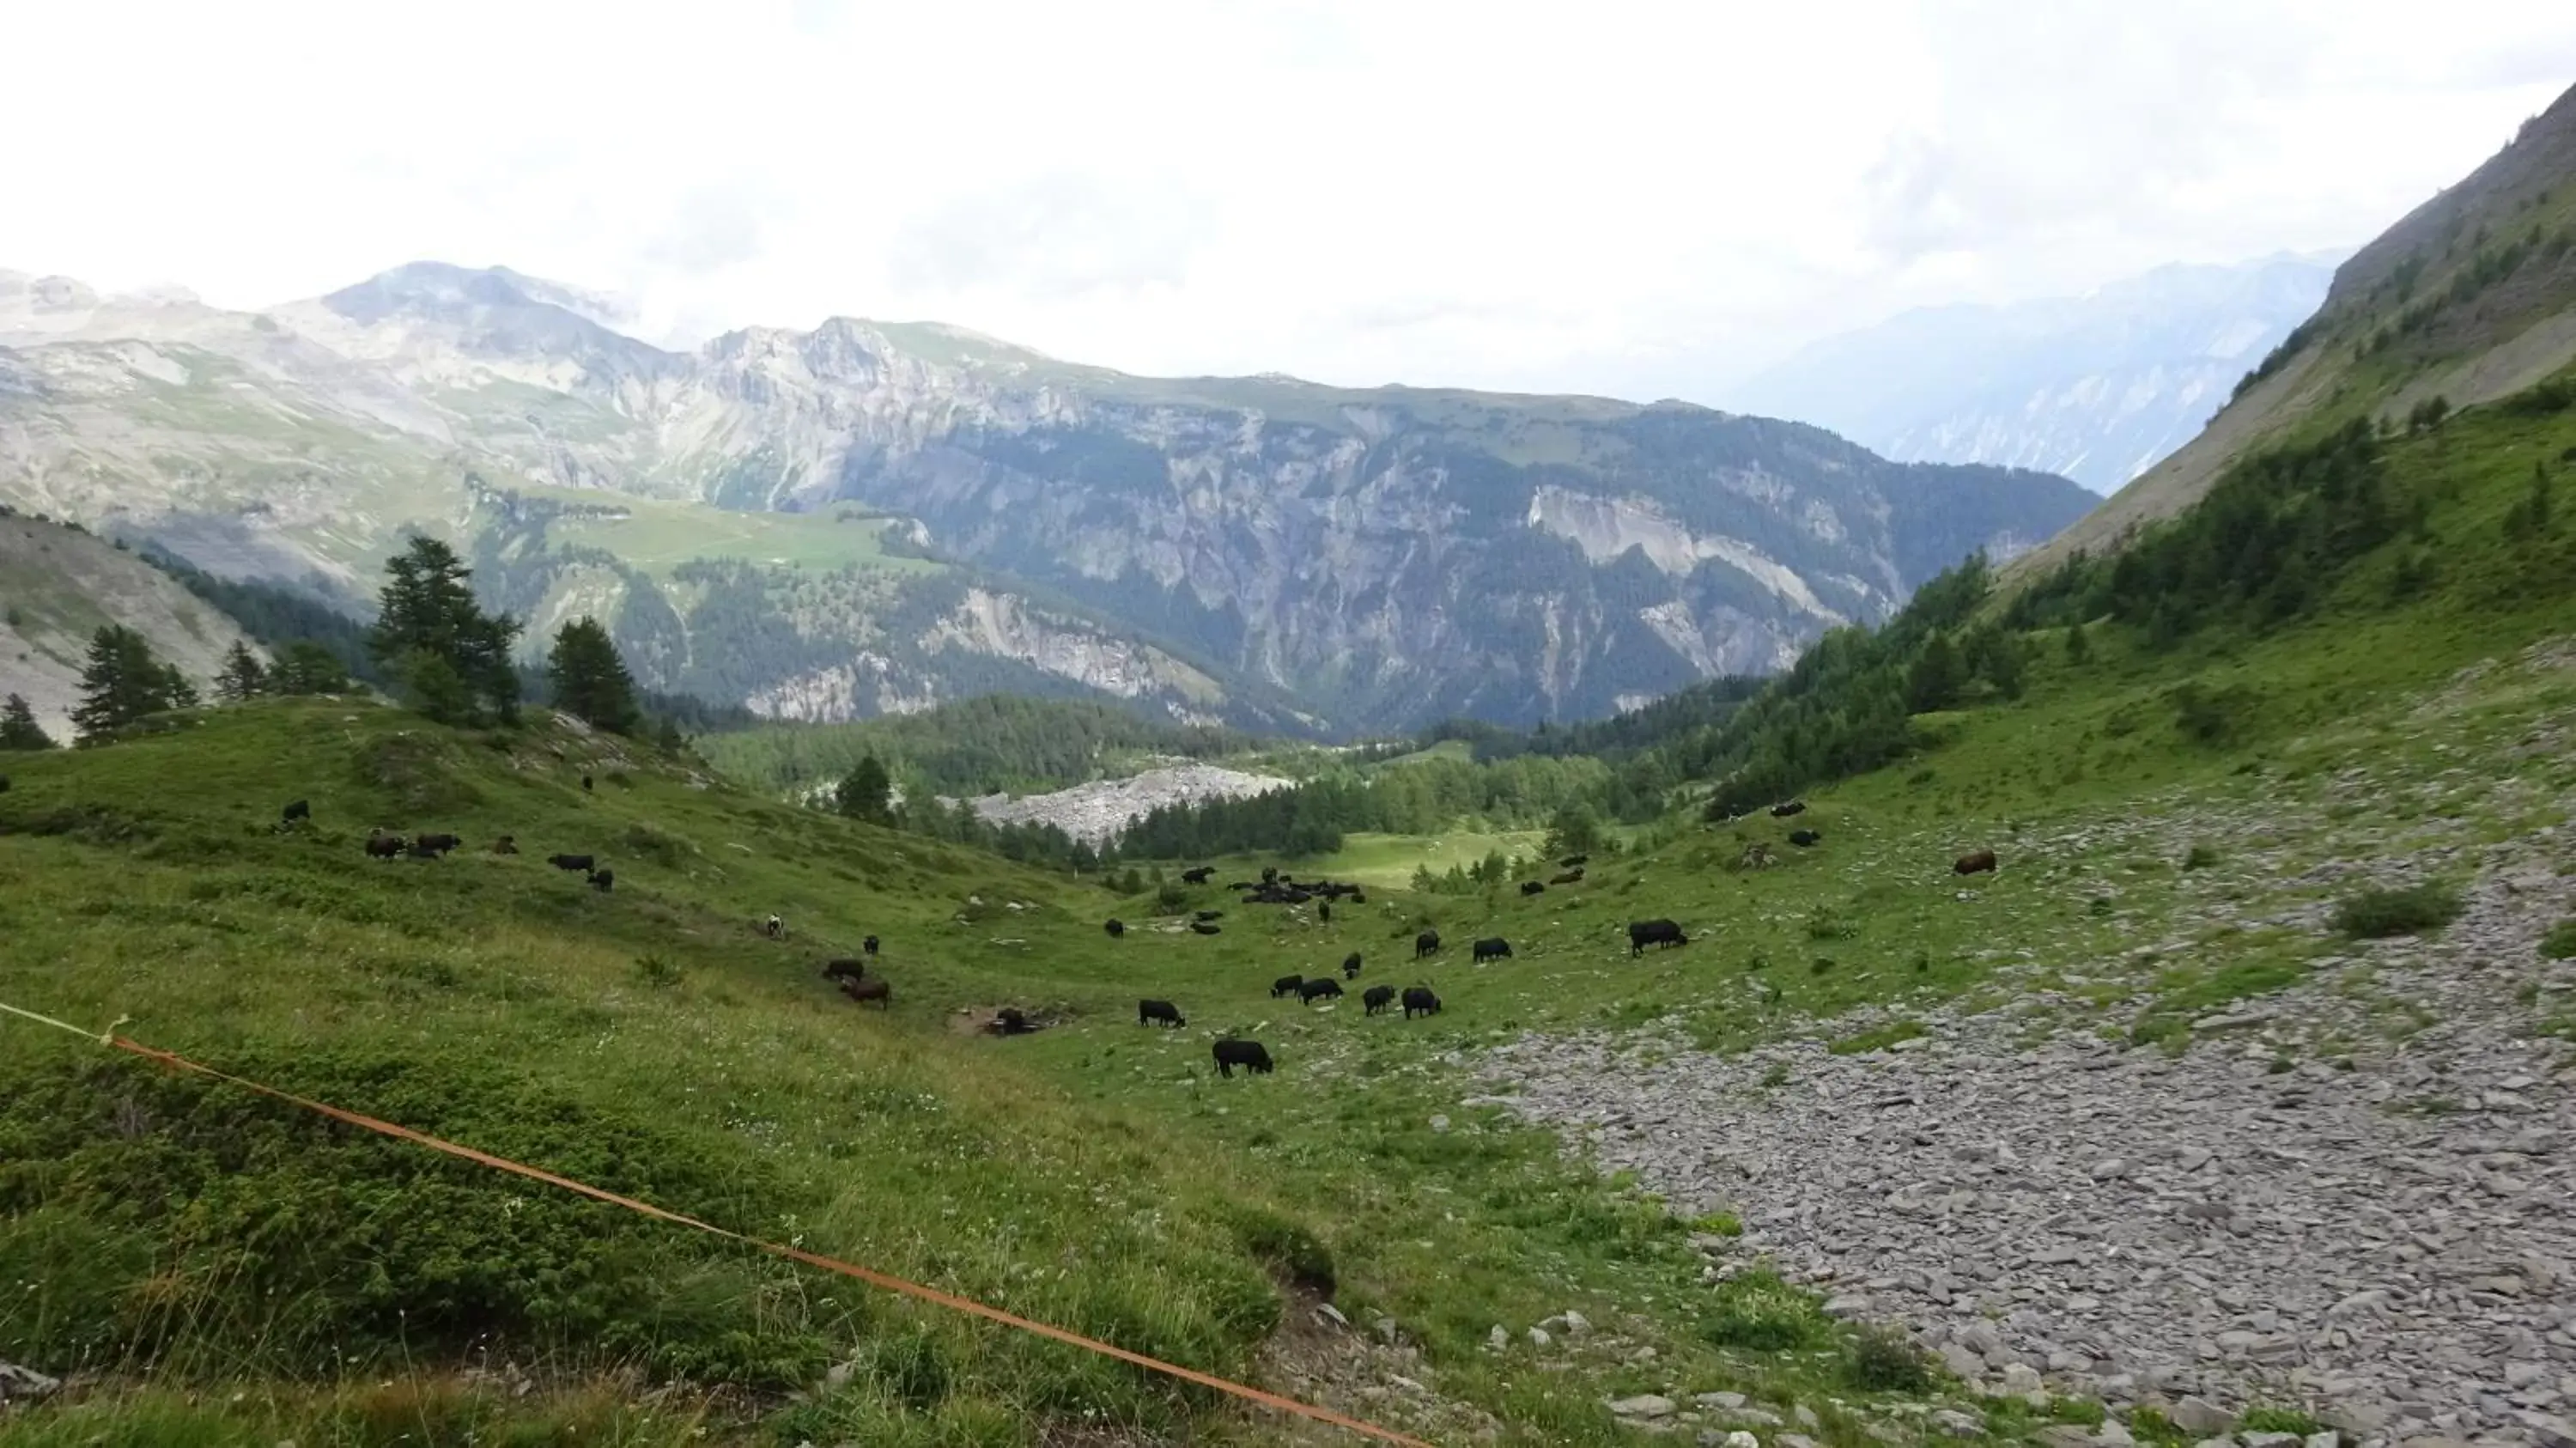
point(1365, 559)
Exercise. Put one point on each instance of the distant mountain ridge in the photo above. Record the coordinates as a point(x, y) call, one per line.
point(1258, 551)
point(2097, 388)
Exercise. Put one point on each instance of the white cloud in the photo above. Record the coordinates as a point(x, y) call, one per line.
point(1615, 197)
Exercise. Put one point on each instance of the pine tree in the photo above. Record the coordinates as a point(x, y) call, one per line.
point(590, 681)
point(306, 667)
point(1936, 677)
point(241, 677)
point(427, 612)
point(120, 683)
point(862, 794)
point(177, 691)
point(18, 726)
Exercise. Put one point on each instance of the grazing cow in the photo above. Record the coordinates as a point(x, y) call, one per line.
point(1115, 927)
point(1319, 989)
point(1197, 875)
point(1247, 1054)
point(1492, 947)
point(1286, 985)
point(1324, 911)
point(1805, 838)
point(435, 844)
point(1207, 915)
point(1533, 887)
point(1427, 943)
point(300, 810)
point(1377, 997)
point(1982, 862)
point(1011, 1021)
point(1787, 808)
point(421, 849)
point(1570, 877)
point(506, 845)
point(844, 969)
point(1148, 1012)
point(384, 847)
point(1204, 928)
point(603, 880)
point(880, 990)
point(4, 784)
point(1418, 1000)
point(1662, 934)
point(1574, 862)
point(869, 946)
point(1351, 966)
point(773, 927)
point(571, 862)
point(585, 783)
point(1359, 897)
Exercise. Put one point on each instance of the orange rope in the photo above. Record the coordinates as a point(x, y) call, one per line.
point(829, 1264)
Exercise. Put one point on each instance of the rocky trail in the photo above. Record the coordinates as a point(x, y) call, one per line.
point(2350, 1196)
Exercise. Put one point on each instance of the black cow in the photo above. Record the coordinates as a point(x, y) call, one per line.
point(1286, 985)
point(1570, 877)
point(1351, 966)
point(1533, 887)
point(571, 862)
point(1418, 1000)
point(300, 810)
point(1658, 933)
point(1492, 947)
point(1115, 927)
point(1427, 943)
point(1148, 1012)
point(1982, 862)
point(1572, 862)
point(1247, 1054)
point(435, 844)
point(421, 849)
point(1359, 897)
point(1324, 911)
point(1197, 875)
point(384, 847)
point(1805, 838)
point(1204, 928)
point(603, 880)
point(1208, 915)
point(1376, 998)
point(1318, 989)
point(585, 783)
point(4, 784)
point(1011, 1021)
point(869, 945)
point(1787, 808)
point(845, 969)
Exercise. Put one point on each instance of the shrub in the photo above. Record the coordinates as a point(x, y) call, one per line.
point(1286, 1248)
point(661, 847)
point(1172, 898)
point(2378, 914)
point(656, 972)
point(1757, 1311)
point(1883, 1360)
point(2278, 1420)
point(2560, 942)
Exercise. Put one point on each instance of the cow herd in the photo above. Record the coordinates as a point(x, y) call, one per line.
point(382, 844)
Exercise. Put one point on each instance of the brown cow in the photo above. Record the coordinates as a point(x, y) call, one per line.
point(1982, 862)
point(878, 990)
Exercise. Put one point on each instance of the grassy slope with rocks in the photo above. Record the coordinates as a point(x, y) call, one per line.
point(60, 585)
point(653, 1040)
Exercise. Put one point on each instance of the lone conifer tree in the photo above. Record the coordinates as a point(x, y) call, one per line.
point(864, 793)
point(18, 726)
point(590, 681)
point(122, 682)
point(446, 651)
point(241, 676)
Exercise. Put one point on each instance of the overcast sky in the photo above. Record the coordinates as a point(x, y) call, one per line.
point(1638, 199)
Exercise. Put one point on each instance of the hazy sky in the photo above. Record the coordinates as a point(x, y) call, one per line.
point(1639, 199)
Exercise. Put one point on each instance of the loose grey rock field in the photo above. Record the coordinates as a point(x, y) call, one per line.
point(2349, 1196)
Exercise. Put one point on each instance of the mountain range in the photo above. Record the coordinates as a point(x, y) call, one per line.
point(870, 517)
point(2097, 388)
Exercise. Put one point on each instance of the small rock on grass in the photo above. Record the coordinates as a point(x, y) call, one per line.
point(1644, 1405)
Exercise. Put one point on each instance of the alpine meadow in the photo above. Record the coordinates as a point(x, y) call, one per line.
point(1493, 918)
